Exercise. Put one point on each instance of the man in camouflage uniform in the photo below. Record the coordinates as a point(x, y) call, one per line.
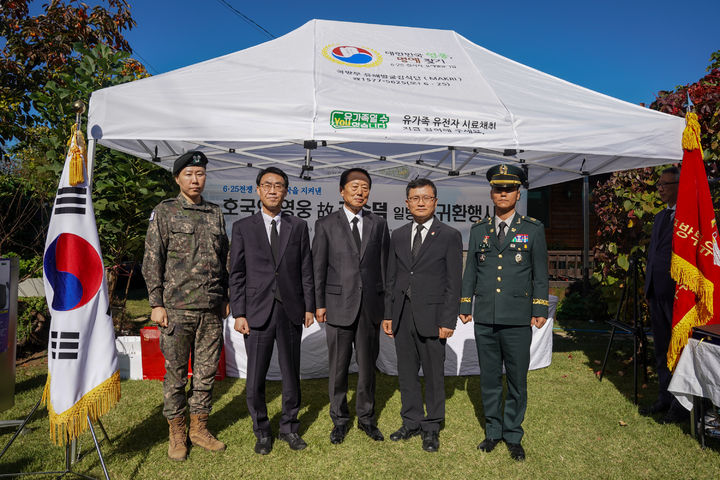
point(185, 268)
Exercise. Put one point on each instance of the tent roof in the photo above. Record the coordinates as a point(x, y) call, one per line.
point(398, 101)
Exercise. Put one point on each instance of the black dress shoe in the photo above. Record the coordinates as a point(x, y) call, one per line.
point(404, 433)
point(263, 446)
point(338, 434)
point(517, 452)
point(657, 407)
point(294, 440)
point(371, 431)
point(676, 414)
point(488, 445)
point(431, 441)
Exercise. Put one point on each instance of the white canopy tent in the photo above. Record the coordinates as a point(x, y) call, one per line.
point(401, 102)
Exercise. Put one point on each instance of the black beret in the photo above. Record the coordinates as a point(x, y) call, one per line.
point(189, 159)
point(506, 175)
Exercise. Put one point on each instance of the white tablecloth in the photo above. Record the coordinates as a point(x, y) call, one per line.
point(697, 373)
point(460, 354)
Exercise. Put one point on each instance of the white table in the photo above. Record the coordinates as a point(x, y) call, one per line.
point(697, 373)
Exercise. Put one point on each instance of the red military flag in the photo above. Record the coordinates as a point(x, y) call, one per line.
point(696, 257)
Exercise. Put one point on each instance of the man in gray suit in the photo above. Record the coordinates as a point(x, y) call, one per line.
point(350, 250)
point(421, 310)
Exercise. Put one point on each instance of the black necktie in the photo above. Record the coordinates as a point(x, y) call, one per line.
point(356, 232)
point(417, 242)
point(501, 232)
point(274, 243)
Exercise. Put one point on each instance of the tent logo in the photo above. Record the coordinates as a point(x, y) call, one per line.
point(352, 56)
point(344, 119)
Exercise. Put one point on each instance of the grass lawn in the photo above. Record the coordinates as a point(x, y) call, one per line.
point(573, 431)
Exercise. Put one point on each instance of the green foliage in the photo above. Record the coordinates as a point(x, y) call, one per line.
point(580, 305)
point(28, 307)
point(125, 188)
point(625, 204)
point(23, 211)
point(37, 49)
point(28, 267)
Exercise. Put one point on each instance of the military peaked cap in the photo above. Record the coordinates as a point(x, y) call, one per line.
point(506, 175)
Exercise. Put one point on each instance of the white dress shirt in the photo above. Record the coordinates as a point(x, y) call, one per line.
point(267, 219)
point(508, 222)
point(423, 232)
point(350, 215)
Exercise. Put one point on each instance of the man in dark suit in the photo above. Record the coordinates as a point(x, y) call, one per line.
point(421, 310)
point(350, 249)
point(660, 291)
point(272, 296)
point(507, 272)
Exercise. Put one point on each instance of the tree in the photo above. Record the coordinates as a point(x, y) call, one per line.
point(125, 188)
point(38, 48)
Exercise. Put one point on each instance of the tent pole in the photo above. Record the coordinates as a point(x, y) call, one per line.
point(90, 161)
point(586, 230)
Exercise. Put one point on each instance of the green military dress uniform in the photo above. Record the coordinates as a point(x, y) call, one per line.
point(185, 269)
point(509, 281)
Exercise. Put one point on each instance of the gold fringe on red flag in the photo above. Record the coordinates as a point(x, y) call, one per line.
point(681, 333)
point(687, 274)
point(73, 421)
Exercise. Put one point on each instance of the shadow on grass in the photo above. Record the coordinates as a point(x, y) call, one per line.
point(592, 339)
point(232, 411)
point(139, 438)
point(31, 383)
point(315, 405)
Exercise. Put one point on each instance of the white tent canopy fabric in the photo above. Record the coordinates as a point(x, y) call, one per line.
point(401, 102)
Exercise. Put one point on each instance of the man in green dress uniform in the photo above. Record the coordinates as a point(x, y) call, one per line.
point(506, 271)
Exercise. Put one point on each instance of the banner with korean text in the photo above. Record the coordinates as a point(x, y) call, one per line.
point(459, 207)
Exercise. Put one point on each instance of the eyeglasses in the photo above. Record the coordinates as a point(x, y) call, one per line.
point(662, 185)
point(417, 198)
point(266, 187)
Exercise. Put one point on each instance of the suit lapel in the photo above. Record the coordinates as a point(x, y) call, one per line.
point(262, 238)
point(367, 228)
point(286, 227)
point(403, 247)
point(429, 239)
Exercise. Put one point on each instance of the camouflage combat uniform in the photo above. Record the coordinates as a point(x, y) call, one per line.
point(185, 268)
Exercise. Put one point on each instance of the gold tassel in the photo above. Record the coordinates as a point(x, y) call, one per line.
point(685, 273)
point(691, 134)
point(680, 335)
point(78, 156)
point(72, 422)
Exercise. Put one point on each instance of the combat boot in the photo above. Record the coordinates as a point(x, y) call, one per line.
point(200, 436)
point(177, 449)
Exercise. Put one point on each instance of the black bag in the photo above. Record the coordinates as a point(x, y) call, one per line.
point(707, 333)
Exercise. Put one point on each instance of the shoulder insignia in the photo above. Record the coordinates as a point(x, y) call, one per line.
point(532, 220)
